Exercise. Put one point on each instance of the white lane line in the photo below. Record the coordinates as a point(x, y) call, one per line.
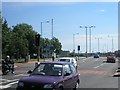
point(3, 81)
point(99, 65)
point(8, 85)
point(96, 67)
point(86, 58)
point(21, 75)
point(96, 60)
point(82, 61)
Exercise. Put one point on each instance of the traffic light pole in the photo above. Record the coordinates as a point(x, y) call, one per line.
point(38, 56)
point(37, 42)
point(78, 51)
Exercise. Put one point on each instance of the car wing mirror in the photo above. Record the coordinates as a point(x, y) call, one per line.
point(66, 74)
point(29, 72)
point(72, 62)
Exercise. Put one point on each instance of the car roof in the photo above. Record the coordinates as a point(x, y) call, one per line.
point(66, 58)
point(55, 62)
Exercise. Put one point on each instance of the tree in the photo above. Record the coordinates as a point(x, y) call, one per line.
point(6, 38)
point(25, 36)
point(56, 44)
point(19, 41)
point(0, 35)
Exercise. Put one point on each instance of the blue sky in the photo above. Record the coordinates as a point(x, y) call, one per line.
point(67, 18)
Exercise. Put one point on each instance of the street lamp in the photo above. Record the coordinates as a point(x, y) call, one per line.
point(74, 43)
point(41, 36)
point(52, 27)
point(90, 37)
point(53, 54)
point(86, 39)
point(98, 38)
point(41, 26)
point(112, 42)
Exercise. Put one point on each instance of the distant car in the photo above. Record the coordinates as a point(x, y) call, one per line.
point(51, 76)
point(69, 59)
point(111, 58)
point(96, 55)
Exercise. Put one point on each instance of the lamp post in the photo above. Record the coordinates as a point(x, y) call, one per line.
point(53, 54)
point(90, 37)
point(41, 36)
point(52, 27)
point(86, 39)
point(41, 26)
point(98, 38)
point(74, 43)
point(112, 42)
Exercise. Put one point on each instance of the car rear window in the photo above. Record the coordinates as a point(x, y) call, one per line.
point(66, 60)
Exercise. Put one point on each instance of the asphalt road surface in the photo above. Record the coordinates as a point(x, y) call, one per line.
point(95, 73)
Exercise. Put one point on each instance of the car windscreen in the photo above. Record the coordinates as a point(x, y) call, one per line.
point(47, 69)
point(110, 54)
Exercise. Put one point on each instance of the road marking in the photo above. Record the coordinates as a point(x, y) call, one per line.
point(3, 81)
point(82, 61)
point(96, 60)
point(99, 65)
point(8, 85)
point(86, 58)
point(21, 75)
point(96, 67)
point(95, 72)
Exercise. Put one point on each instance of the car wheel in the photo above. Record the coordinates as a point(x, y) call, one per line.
point(60, 88)
point(76, 86)
point(113, 61)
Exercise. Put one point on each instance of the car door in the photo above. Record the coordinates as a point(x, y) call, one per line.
point(67, 78)
point(74, 75)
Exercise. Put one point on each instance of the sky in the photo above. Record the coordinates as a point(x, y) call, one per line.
point(67, 19)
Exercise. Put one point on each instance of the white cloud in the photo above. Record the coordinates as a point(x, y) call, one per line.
point(102, 10)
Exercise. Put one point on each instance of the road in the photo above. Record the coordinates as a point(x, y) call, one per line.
point(95, 73)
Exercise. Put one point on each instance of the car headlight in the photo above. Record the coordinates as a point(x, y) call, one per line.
point(48, 86)
point(20, 84)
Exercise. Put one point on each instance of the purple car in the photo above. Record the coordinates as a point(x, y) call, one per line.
point(51, 76)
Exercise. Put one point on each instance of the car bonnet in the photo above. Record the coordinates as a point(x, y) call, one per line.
point(41, 79)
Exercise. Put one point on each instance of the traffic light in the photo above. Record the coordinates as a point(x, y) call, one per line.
point(78, 47)
point(37, 39)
